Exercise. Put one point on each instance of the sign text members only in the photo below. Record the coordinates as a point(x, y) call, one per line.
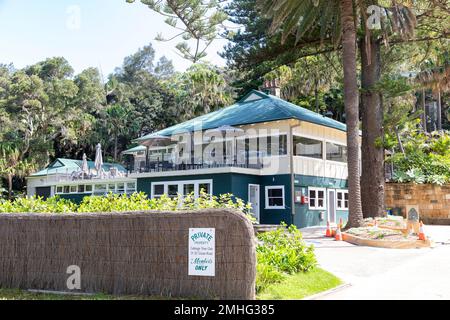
point(202, 252)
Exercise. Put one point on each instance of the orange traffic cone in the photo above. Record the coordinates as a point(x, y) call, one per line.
point(341, 223)
point(328, 234)
point(422, 235)
point(338, 236)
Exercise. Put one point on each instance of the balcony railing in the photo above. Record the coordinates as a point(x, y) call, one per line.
point(76, 176)
point(169, 166)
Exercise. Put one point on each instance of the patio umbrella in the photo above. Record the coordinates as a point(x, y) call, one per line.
point(157, 141)
point(84, 165)
point(98, 159)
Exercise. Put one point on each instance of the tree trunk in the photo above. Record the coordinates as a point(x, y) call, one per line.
point(439, 111)
point(355, 217)
point(10, 182)
point(316, 96)
point(372, 177)
point(115, 147)
point(424, 110)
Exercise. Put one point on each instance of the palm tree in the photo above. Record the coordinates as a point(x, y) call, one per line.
point(437, 78)
point(337, 18)
point(116, 123)
point(12, 164)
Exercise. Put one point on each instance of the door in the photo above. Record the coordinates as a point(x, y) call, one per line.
point(332, 206)
point(253, 198)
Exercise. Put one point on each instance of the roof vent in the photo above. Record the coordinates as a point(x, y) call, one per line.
point(272, 87)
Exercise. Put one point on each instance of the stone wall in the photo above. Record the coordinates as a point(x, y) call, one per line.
point(140, 253)
point(433, 200)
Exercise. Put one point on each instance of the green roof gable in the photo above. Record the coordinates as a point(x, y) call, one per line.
point(135, 150)
point(255, 107)
point(62, 165)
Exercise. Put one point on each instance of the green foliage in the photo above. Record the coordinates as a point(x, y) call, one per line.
point(130, 203)
point(198, 21)
point(37, 205)
point(282, 251)
point(426, 158)
point(267, 275)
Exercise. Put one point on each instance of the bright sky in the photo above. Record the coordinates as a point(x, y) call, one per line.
point(88, 33)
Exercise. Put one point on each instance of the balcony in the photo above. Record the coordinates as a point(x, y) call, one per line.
point(169, 166)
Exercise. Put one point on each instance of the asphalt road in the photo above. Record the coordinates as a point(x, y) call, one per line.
point(392, 274)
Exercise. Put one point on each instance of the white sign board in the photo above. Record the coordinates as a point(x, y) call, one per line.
point(202, 252)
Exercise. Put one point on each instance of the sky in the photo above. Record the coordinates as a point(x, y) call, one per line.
point(88, 33)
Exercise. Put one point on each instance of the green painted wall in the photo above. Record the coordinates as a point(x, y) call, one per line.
point(74, 197)
point(237, 184)
point(307, 218)
point(271, 216)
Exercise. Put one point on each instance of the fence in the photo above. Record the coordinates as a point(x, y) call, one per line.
point(144, 253)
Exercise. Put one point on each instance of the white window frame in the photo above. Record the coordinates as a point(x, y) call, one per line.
point(85, 188)
point(311, 137)
point(103, 192)
point(268, 207)
point(343, 193)
point(316, 207)
point(126, 186)
point(111, 184)
point(181, 184)
point(340, 144)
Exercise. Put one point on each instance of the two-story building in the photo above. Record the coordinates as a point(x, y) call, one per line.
point(290, 163)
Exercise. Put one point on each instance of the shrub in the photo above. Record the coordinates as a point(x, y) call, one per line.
point(37, 205)
point(426, 159)
point(267, 275)
point(282, 251)
point(120, 203)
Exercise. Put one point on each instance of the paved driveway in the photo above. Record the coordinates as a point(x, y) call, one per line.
point(377, 273)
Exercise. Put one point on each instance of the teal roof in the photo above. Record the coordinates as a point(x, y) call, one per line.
point(255, 107)
point(134, 150)
point(61, 165)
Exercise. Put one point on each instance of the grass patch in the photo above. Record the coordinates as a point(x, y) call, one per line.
point(300, 285)
point(293, 287)
point(13, 294)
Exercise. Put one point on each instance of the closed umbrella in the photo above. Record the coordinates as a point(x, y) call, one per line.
point(98, 159)
point(84, 165)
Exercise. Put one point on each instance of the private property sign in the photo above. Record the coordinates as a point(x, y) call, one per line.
point(202, 252)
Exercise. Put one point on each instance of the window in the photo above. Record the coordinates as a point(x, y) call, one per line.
point(100, 189)
point(188, 189)
point(59, 189)
point(174, 188)
point(88, 188)
point(316, 198)
point(120, 188)
point(81, 189)
point(158, 190)
point(204, 187)
point(342, 199)
point(73, 189)
point(131, 187)
point(336, 152)
point(275, 197)
point(66, 189)
point(112, 187)
point(277, 145)
point(306, 147)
